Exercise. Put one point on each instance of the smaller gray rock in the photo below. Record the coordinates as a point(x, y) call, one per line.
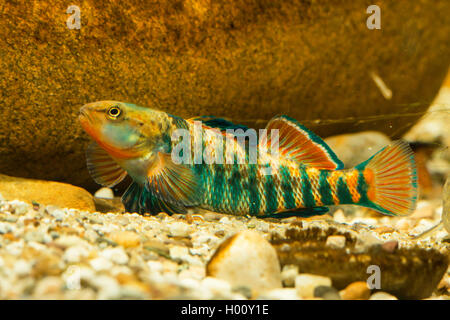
point(326, 293)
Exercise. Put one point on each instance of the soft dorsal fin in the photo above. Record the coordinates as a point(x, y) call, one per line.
point(103, 169)
point(300, 144)
point(219, 123)
point(175, 184)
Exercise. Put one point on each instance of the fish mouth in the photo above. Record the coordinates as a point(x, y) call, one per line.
point(86, 121)
point(83, 116)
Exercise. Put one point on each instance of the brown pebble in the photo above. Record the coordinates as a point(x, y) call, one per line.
point(219, 233)
point(356, 291)
point(198, 218)
point(384, 229)
point(297, 223)
point(9, 236)
point(157, 246)
point(212, 216)
point(189, 218)
point(127, 239)
point(390, 246)
point(162, 215)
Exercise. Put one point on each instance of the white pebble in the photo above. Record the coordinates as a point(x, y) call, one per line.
point(58, 214)
point(382, 296)
point(20, 206)
point(201, 237)
point(101, 263)
point(22, 268)
point(422, 226)
point(178, 252)
point(247, 259)
point(15, 248)
point(190, 283)
point(48, 285)
point(5, 228)
point(216, 286)
point(75, 254)
point(336, 242)
point(288, 275)
point(108, 287)
point(279, 294)
point(155, 266)
point(339, 216)
point(368, 221)
point(225, 220)
point(179, 229)
point(105, 193)
point(306, 283)
point(69, 241)
point(116, 255)
point(122, 269)
point(404, 224)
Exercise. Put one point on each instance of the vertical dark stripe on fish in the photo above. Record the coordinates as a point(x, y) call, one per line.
point(362, 188)
point(324, 188)
point(270, 194)
point(254, 197)
point(286, 187)
point(218, 182)
point(308, 198)
point(344, 195)
point(235, 186)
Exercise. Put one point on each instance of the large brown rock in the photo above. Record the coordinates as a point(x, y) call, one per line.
point(247, 60)
point(46, 193)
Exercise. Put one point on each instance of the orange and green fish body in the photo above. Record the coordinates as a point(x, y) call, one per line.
point(302, 178)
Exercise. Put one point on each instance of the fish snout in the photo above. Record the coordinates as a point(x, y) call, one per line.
point(84, 115)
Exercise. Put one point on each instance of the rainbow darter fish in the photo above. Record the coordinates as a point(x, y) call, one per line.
point(304, 178)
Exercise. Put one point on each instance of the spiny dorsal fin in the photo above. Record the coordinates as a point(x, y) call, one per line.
point(103, 169)
point(220, 123)
point(300, 144)
point(176, 184)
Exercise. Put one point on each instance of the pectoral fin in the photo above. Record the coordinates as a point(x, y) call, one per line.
point(174, 184)
point(102, 168)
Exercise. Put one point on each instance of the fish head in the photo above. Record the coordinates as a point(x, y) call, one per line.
point(124, 130)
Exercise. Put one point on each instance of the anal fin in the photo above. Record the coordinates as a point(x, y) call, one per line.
point(141, 200)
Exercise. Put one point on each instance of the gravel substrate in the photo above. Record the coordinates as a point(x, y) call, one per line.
point(52, 253)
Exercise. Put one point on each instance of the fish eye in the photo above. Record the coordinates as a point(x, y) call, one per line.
point(114, 112)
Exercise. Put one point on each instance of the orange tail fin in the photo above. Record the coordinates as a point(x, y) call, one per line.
point(392, 180)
